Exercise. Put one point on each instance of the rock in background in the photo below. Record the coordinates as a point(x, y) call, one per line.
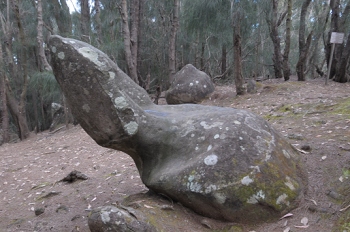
point(189, 85)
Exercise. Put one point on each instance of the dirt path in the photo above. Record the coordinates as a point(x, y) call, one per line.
point(307, 113)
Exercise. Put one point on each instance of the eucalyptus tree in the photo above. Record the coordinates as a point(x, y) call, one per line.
point(340, 22)
point(172, 41)
point(237, 46)
point(40, 40)
point(130, 36)
point(285, 64)
point(274, 20)
point(4, 118)
point(59, 17)
point(303, 45)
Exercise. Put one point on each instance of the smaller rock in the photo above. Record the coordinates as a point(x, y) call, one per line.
point(306, 147)
point(114, 219)
point(62, 208)
point(74, 176)
point(295, 136)
point(189, 85)
point(333, 194)
point(251, 86)
point(39, 211)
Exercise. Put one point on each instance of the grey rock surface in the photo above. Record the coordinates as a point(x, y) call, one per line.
point(115, 219)
point(223, 163)
point(189, 85)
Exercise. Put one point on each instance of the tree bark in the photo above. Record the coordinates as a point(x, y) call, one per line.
point(303, 46)
point(85, 20)
point(98, 22)
point(237, 51)
point(132, 71)
point(286, 68)
point(273, 24)
point(62, 16)
point(141, 16)
point(341, 68)
point(223, 59)
point(23, 129)
point(39, 38)
point(5, 122)
point(172, 40)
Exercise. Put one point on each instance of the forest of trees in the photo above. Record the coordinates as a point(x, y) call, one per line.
point(230, 40)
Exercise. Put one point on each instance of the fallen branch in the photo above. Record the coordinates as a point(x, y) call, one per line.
point(344, 209)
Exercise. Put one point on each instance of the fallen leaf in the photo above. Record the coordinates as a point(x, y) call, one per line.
point(287, 215)
point(304, 221)
point(302, 227)
point(324, 157)
point(286, 229)
point(148, 207)
point(341, 179)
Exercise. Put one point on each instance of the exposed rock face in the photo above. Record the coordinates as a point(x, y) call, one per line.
point(111, 218)
point(223, 163)
point(189, 85)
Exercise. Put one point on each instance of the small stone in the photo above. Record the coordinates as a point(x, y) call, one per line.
point(39, 211)
point(333, 194)
point(306, 147)
point(295, 136)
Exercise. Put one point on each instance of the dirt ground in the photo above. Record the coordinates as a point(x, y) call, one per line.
point(313, 117)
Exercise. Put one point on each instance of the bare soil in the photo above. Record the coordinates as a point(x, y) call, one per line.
point(309, 114)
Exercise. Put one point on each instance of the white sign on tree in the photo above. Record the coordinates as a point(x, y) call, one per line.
point(336, 38)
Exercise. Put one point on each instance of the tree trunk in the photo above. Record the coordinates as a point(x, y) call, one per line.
point(223, 59)
point(237, 52)
point(286, 68)
point(63, 17)
point(303, 46)
point(21, 112)
point(4, 114)
point(85, 21)
point(132, 71)
point(172, 40)
point(341, 54)
point(39, 38)
point(343, 63)
point(277, 58)
point(139, 45)
point(98, 22)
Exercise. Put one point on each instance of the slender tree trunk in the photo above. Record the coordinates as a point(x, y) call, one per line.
point(63, 17)
point(39, 38)
point(343, 63)
point(139, 44)
point(98, 22)
point(277, 57)
point(223, 59)
point(341, 55)
point(172, 40)
point(85, 20)
point(132, 71)
point(21, 116)
point(237, 51)
point(303, 46)
point(286, 68)
point(202, 55)
point(5, 122)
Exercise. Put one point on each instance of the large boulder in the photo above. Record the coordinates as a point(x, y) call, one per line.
point(189, 85)
point(223, 163)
